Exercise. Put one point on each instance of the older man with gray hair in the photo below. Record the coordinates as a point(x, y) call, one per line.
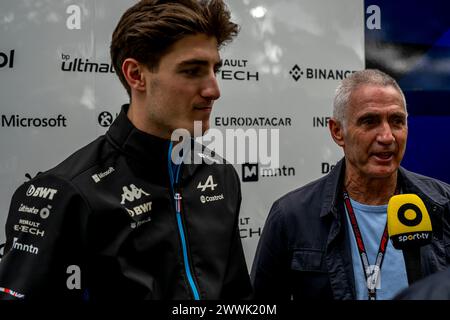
point(309, 248)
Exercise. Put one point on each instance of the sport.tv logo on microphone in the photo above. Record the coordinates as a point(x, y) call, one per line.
point(408, 221)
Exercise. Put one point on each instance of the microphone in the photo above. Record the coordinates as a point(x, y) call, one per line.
point(409, 228)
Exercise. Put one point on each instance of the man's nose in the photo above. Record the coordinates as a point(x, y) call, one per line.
point(385, 135)
point(210, 88)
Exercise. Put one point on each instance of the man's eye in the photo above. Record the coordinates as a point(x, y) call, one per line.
point(367, 121)
point(399, 121)
point(191, 72)
point(217, 70)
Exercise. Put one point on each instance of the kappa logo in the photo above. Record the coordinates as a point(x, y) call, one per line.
point(208, 184)
point(41, 192)
point(132, 193)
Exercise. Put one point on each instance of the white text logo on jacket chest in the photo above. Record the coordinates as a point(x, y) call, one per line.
point(209, 184)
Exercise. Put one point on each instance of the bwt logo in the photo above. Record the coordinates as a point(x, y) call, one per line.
point(319, 74)
point(7, 59)
point(41, 192)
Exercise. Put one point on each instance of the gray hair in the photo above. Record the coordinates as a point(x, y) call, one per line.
point(351, 83)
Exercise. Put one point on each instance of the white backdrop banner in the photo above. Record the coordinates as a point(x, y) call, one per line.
point(59, 92)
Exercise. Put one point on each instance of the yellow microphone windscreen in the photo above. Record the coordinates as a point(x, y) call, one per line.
point(409, 224)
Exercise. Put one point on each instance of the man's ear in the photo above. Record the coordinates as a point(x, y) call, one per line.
point(337, 131)
point(133, 72)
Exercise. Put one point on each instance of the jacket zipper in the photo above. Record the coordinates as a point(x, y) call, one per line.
point(177, 197)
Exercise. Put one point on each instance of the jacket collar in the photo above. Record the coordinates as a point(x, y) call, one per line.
point(332, 191)
point(411, 183)
point(136, 143)
point(148, 149)
point(414, 183)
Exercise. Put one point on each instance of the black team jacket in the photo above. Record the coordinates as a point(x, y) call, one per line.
point(116, 220)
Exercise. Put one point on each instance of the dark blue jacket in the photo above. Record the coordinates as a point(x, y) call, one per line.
point(433, 287)
point(304, 249)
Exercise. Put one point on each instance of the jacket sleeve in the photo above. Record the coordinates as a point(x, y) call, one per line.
point(237, 284)
point(43, 246)
point(432, 287)
point(270, 270)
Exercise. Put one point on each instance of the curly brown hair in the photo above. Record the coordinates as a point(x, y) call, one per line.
point(147, 30)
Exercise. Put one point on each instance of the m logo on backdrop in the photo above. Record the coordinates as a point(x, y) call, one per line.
point(250, 172)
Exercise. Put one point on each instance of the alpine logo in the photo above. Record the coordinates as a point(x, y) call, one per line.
point(132, 193)
point(41, 192)
point(209, 183)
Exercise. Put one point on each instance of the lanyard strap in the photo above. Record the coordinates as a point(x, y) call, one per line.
point(371, 280)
